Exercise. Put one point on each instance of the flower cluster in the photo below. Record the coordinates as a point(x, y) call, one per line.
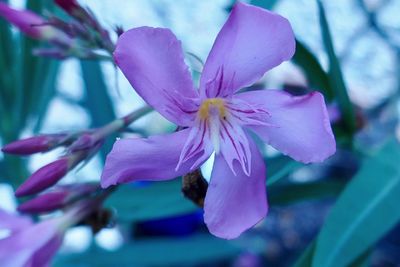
point(218, 118)
point(81, 36)
point(79, 147)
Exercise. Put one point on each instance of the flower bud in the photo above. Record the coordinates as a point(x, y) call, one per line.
point(44, 203)
point(58, 198)
point(33, 25)
point(45, 177)
point(36, 144)
point(70, 6)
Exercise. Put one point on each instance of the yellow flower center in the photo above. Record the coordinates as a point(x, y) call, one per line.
point(212, 106)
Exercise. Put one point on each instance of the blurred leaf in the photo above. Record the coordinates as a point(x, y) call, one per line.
point(97, 100)
point(267, 4)
point(48, 91)
point(196, 249)
point(150, 201)
point(315, 74)
point(364, 212)
point(296, 192)
point(335, 74)
point(30, 67)
point(279, 167)
point(306, 257)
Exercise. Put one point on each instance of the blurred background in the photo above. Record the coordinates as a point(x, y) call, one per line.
point(346, 207)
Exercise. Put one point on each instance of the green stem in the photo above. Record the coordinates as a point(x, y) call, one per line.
point(121, 123)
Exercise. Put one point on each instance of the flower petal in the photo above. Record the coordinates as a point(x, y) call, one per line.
point(21, 248)
point(252, 41)
point(150, 159)
point(13, 222)
point(299, 126)
point(233, 204)
point(152, 61)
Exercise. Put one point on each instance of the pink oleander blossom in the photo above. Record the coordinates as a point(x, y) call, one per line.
point(216, 118)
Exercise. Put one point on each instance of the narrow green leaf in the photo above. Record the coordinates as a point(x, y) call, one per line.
point(306, 257)
point(267, 4)
point(365, 211)
point(316, 76)
point(335, 74)
point(97, 100)
point(279, 167)
point(295, 192)
point(150, 201)
point(48, 91)
point(186, 251)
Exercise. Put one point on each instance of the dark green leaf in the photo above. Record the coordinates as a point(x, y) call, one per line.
point(197, 249)
point(365, 211)
point(279, 167)
point(335, 74)
point(97, 100)
point(295, 192)
point(306, 257)
point(315, 74)
point(150, 201)
point(267, 4)
point(47, 92)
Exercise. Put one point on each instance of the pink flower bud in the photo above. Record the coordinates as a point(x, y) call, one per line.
point(44, 203)
point(70, 6)
point(33, 25)
point(58, 198)
point(45, 177)
point(35, 144)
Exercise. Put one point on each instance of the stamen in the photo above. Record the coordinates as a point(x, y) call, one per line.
point(212, 107)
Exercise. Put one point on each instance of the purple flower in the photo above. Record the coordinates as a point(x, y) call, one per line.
point(34, 245)
point(30, 244)
point(33, 25)
point(251, 42)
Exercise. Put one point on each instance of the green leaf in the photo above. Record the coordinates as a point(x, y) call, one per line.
point(279, 167)
point(296, 192)
point(335, 74)
point(306, 257)
point(47, 92)
point(365, 211)
point(150, 201)
point(316, 76)
point(267, 4)
point(97, 100)
point(197, 249)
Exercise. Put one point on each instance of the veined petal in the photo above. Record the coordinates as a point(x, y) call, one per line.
point(151, 159)
point(235, 145)
point(234, 203)
point(197, 142)
point(300, 125)
point(252, 41)
point(152, 61)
